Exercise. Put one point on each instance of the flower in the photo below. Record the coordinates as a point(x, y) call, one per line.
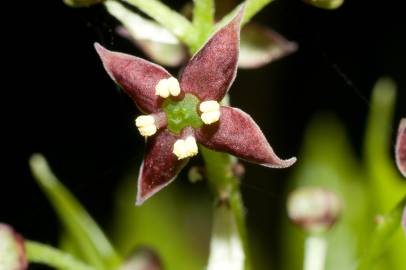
point(314, 209)
point(12, 251)
point(400, 151)
point(186, 112)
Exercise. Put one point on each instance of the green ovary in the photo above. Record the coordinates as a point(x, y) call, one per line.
point(181, 114)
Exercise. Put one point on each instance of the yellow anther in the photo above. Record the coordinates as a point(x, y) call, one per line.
point(146, 125)
point(210, 117)
point(162, 88)
point(210, 111)
point(173, 86)
point(209, 106)
point(185, 148)
point(167, 87)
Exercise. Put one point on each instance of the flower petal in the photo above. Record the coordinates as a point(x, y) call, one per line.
point(261, 45)
point(136, 76)
point(401, 147)
point(211, 71)
point(238, 134)
point(160, 166)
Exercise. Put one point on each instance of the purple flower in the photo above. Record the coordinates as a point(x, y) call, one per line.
point(186, 112)
point(400, 151)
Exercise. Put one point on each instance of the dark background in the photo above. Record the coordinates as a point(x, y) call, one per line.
point(58, 100)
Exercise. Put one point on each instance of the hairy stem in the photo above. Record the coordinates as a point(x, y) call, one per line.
point(53, 257)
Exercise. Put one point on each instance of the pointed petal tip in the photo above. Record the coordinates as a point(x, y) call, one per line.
point(99, 48)
point(278, 163)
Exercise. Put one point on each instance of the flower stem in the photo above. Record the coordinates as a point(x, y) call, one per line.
point(252, 7)
point(170, 19)
point(53, 257)
point(315, 252)
point(225, 187)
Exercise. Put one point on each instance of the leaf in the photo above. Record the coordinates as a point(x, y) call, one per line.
point(93, 244)
point(154, 40)
point(170, 19)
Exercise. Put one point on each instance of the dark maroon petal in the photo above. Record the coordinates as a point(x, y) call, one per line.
point(211, 71)
point(13, 245)
point(136, 76)
point(401, 147)
point(160, 165)
point(238, 134)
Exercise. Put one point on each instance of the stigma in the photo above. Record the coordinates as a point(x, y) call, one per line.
point(167, 87)
point(185, 148)
point(210, 111)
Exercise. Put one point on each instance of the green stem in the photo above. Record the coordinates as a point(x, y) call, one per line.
point(53, 257)
point(252, 7)
point(225, 187)
point(170, 19)
point(388, 224)
point(203, 20)
point(315, 252)
point(93, 244)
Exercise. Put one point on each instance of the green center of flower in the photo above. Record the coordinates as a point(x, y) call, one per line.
point(183, 113)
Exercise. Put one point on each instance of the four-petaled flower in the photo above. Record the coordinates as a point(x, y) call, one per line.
point(182, 114)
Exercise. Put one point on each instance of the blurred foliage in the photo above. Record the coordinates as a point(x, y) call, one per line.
point(367, 188)
point(175, 224)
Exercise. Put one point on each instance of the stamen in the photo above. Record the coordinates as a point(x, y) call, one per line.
point(146, 125)
point(167, 87)
point(210, 117)
point(210, 111)
point(209, 106)
point(185, 148)
point(162, 88)
point(173, 86)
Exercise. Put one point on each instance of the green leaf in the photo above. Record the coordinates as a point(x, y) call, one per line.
point(325, 4)
point(53, 257)
point(155, 41)
point(80, 226)
point(387, 185)
point(252, 7)
point(170, 19)
point(378, 150)
point(82, 3)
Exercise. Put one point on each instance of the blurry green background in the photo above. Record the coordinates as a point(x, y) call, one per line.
point(312, 104)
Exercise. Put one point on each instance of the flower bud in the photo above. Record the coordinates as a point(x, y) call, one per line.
point(82, 3)
point(325, 4)
point(314, 209)
point(12, 251)
point(143, 258)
